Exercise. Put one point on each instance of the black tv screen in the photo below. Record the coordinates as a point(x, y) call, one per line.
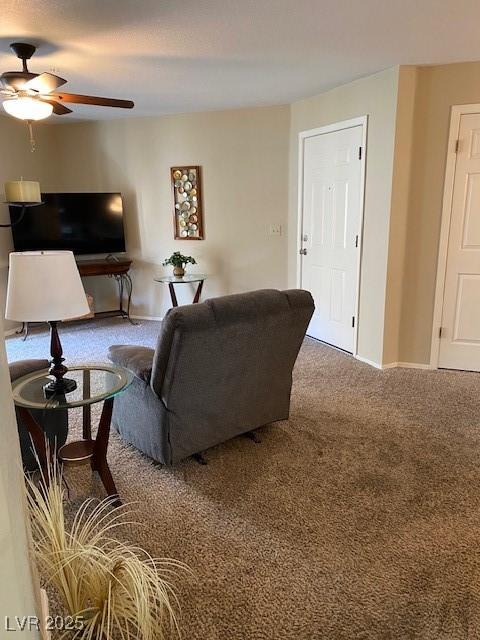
point(81, 222)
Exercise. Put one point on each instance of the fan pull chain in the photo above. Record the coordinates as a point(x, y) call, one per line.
point(32, 139)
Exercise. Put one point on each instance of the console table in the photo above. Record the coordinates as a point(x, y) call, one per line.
point(114, 268)
point(117, 268)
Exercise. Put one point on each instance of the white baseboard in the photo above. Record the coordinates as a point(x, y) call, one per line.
point(370, 362)
point(407, 365)
point(155, 318)
point(394, 365)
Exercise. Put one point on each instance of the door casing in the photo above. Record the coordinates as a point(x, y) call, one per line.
point(302, 136)
point(456, 112)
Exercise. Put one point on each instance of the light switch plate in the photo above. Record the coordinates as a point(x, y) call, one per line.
point(275, 229)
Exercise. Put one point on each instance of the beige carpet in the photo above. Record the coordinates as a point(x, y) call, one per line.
point(358, 518)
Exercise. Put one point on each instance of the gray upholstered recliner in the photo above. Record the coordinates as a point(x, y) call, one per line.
point(221, 368)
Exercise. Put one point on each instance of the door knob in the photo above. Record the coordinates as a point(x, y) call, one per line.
point(303, 252)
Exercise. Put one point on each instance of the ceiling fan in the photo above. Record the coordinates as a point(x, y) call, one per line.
point(32, 96)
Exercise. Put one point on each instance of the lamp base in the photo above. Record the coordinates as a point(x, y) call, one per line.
point(59, 387)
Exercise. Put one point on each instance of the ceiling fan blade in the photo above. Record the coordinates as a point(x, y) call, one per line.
point(94, 100)
point(59, 109)
point(44, 83)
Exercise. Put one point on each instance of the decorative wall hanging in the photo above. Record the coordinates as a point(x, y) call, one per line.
point(187, 202)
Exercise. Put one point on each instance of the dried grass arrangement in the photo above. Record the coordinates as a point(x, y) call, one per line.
point(118, 590)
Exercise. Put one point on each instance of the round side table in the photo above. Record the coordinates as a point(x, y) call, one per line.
point(188, 278)
point(95, 383)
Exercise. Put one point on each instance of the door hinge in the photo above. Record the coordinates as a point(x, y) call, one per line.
point(353, 321)
point(356, 241)
point(359, 153)
point(457, 145)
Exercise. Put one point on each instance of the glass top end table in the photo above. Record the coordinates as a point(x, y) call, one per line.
point(188, 278)
point(95, 383)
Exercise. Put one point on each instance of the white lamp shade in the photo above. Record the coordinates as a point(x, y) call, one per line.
point(44, 286)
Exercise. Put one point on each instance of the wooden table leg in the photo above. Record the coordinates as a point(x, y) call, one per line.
point(87, 411)
point(173, 295)
point(198, 293)
point(99, 459)
point(38, 438)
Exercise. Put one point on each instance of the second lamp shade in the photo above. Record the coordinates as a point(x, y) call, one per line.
point(22, 191)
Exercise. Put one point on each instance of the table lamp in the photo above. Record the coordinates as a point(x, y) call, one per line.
point(22, 194)
point(45, 286)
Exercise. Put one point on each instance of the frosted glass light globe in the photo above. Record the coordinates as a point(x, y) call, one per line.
point(26, 108)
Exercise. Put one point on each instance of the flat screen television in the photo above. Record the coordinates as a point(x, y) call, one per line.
point(80, 222)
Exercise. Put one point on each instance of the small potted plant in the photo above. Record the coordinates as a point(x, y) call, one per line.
point(178, 262)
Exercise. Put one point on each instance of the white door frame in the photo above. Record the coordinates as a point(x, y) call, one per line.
point(457, 111)
point(310, 133)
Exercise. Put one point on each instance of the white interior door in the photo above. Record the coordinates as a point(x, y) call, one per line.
point(460, 334)
point(332, 207)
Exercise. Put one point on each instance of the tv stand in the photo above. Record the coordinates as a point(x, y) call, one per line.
point(112, 267)
point(116, 268)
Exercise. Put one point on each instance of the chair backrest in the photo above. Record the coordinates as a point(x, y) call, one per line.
point(231, 358)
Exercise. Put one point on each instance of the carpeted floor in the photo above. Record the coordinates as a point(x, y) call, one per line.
point(358, 518)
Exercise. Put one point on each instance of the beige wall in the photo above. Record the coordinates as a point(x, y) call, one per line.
point(244, 155)
point(17, 586)
point(17, 591)
point(375, 96)
point(16, 161)
point(438, 88)
point(398, 252)
point(409, 116)
point(244, 160)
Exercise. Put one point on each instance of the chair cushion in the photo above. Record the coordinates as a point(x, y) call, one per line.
point(21, 368)
point(136, 359)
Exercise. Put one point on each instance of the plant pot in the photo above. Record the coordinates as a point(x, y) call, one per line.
point(178, 272)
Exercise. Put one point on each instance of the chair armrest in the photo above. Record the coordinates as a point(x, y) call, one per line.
point(21, 368)
point(138, 360)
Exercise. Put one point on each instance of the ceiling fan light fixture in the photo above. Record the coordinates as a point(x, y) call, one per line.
point(33, 96)
point(25, 108)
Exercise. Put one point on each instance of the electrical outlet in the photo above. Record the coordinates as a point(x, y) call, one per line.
point(275, 229)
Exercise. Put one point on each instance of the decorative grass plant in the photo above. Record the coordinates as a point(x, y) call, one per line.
point(118, 590)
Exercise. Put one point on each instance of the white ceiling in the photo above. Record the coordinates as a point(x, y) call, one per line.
point(194, 55)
